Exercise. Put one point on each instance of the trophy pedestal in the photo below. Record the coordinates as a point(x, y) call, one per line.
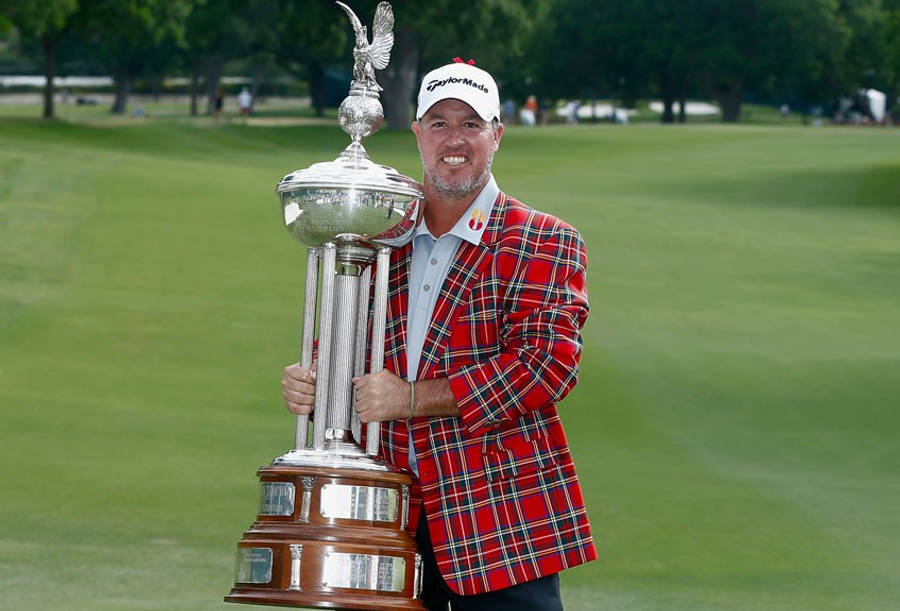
point(332, 538)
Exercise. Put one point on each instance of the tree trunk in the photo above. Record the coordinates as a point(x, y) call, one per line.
point(256, 80)
point(213, 75)
point(682, 104)
point(668, 116)
point(668, 98)
point(123, 89)
point(49, 46)
point(730, 100)
point(399, 80)
point(156, 83)
point(316, 78)
point(195, 89)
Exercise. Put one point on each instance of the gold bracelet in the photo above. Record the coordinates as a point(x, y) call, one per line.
point(412, 398)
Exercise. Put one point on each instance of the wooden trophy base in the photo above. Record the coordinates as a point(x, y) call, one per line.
point(329, 538)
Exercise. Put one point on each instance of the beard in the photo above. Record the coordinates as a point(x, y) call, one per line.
point(461, 187)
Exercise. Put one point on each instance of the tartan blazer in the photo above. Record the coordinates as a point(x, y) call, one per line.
point(498, 483)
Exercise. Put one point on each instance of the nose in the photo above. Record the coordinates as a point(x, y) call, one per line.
point(454, 136)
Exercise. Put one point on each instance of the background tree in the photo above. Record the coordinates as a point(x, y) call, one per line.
point(753, 44)
point(47, 21)
point(310, 38)
point(892, 54)
point(627, 49)
point(646, 47)
point(428, 34)
point(131, 37)
point(573, 50)
point(863, 63)
point(215, 32)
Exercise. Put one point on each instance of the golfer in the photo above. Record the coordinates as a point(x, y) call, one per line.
point(484, 313)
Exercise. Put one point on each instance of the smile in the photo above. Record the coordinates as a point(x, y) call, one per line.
point(454, 159)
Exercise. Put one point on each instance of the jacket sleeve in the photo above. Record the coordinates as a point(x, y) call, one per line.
point(545, 306)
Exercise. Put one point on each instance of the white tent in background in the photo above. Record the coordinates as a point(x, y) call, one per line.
point(877, 101)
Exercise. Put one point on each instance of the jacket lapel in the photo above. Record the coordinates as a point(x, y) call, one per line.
point(397, 304)
point(469, 265)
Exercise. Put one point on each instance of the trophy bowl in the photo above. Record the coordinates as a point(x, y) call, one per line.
point(349, 196)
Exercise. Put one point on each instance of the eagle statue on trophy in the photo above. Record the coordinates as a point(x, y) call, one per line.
point(367, 56)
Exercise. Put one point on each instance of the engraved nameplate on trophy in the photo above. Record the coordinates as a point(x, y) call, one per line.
point(276, 499)
point(253, 565)
point(359, 503)
point(364, 572)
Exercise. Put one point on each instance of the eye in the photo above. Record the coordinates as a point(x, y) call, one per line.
point(436, 124)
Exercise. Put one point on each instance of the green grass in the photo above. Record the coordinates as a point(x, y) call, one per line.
point(734, 427)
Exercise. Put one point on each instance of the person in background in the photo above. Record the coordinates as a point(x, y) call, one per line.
point(220, 103)
point(245, 102)
point(529, 111)
point(509, 110)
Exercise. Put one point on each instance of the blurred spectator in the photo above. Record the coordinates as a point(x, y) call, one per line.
point(220, 102)
point(572, 107)
point(509, 110)
point(245, 101)
point(528, 113)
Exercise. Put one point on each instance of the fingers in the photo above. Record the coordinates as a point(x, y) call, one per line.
point(299, 379)
point(299, 409)
point(378, 396)
point(298, 402)
point(301, 374)
point(294, 396)
point(298, 388)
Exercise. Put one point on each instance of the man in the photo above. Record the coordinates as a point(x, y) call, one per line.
point(245, 101)
point(483, 338)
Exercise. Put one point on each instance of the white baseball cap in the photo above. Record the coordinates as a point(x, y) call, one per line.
point(460, 81)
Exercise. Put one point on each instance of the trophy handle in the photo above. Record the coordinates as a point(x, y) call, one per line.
point(376, 364)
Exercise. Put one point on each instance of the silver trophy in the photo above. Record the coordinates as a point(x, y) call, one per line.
point(347, 212)
point(330, 530)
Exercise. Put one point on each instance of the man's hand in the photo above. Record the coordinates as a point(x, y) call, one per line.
point(298, 388)
point(381, 396)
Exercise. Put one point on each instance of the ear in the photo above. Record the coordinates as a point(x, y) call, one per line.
point(415, 127)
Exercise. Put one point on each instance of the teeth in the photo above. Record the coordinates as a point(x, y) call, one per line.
point(454, 159)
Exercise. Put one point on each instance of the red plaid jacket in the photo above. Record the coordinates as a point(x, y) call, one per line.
point(498, 484)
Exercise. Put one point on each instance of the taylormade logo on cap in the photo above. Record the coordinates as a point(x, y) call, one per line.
point(432, 85)
point(460, 81)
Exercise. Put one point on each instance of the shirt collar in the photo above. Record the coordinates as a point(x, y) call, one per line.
point(473, 222)
point(471, 225)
